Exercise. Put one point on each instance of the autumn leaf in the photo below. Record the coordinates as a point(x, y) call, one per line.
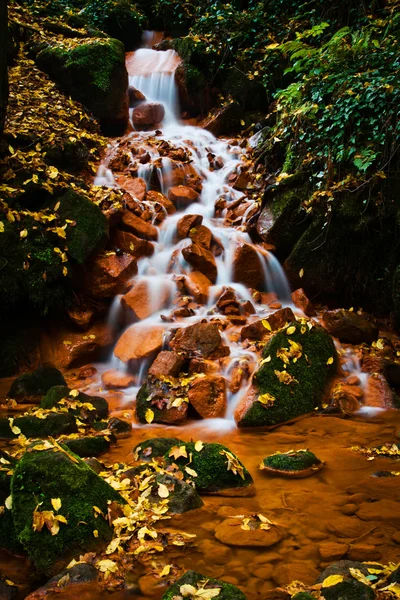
point(56, 503)
point(198, 446)
point(23, 234)
point(149, 415)
point(190, 471)
point(178, 451)
point(330, 360)
point(163, 490)
point(332, 580)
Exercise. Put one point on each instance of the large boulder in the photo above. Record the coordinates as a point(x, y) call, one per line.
point(193, 90)
point(42, 426)
point(192, 582)
point(200, 339)
point(298, 363)
point(30, 387)
point(247, 267)
point(207, 396)
point(139, 341)
point(108, 275)
point(64, 519)
point(87, 408)
point(225, 120)
point(349, 326)
point(94, 73)
point(162, 401)
point(121, 19)
point(149, 113)
point(201, 260)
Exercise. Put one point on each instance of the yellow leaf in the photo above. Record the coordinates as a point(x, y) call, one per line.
point(190, 471)
point(8, 503)
point(23, 233)
point(163, 490)
point(165, 571)
point(290, 330)
point(198, 446)
point(301, 272)
point(380, 344)
point(74, 393)
point(330, 360)
point(95, 533)
point(243, 123)
point(65, 271)
point(56, 503)
point(265, 323)
point(1, 226)
point(266, 399)
point(332, 580)
point(149, 416)
point(52, 172)
point(272, 46)
point(178, 451)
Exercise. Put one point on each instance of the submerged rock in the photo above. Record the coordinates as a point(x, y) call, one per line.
point(195, 581)
point(30, 387)
point(248, 531)
point(79, 574)
point(298, 363)
point(295, 463)
point(91, 445)
point(213, 468)
point(56, 474)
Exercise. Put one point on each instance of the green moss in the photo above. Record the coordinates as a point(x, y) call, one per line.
point(215, 469)
point(311, 373)
point(43, 475)
point(303, 596)
point(295, 461)
point(61, 392)
point(88, 446)
point(8, 536)
point(119, 18)
point(146, 394)
point(32, 427)
point(155, 447)
point(37, 383)
point(227, 590)
point(90, 233)
point(350, 589)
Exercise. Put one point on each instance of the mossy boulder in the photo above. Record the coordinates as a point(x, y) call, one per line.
point(30, 387)
point(154, 448)
point(91, 445)
point(54, 474)
point(213, 468)
point(182, 496)
point(8, 536)
point(89, 408)
point(198, 581)
point(293, 461)
point(119, 427)
point(89, 235)
point(348, 589)
point(298, 363)
point(119, 18)
point(158, 396)
point(194, 91)
point(93, 72)
point(31, 426)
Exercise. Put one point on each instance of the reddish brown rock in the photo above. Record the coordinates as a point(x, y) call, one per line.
point(331, 551)
point(64, 348)
point(139, 341)
point(200, 339)
point(247, 268)
point(378, 364)
point(150, 113)
point(167, 364)
point(198, 285)
point(87, 372)
point(201, 260)
point(162, 205)
point(81, 314)
point(230, 532)
point(300, 300)
point(130, 243)
point(207, 396)
point(136, 225)
point(186, 223)
point(137, 187)
point(260, 329)
point(201, 236)
point(349, 327)
point(114, 379)
point(194, 181)
point(142, 302)
point(135, 96)
point(108, 275)
point(224, 120)
point(378, 392)
point(182, 195)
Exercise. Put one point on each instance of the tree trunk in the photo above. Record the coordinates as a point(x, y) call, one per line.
point(3, 64)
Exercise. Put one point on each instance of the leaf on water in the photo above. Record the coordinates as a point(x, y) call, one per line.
point(56, 503)
point(332, 580)
point(163, 490)
point(149, 416)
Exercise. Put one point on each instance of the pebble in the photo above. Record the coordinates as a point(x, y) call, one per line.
point(361, 552)
point(396, 537)
point(349, 509)
point(333, 550)
point(216, 553)
point(264, 572)
point(317, 535)
point(301, 571)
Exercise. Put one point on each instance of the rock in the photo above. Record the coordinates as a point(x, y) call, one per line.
point(8, 590)
point(114, 379)
point(137, 187)
point(186, 223)
point(382, 510)
point(135, 96)
point(162, 204)
point(30, 387)
point(191, 578)
point(261, 329)
point(81, 314)
point(363, 552)
point(232, 533)
point(93, 73)
point(207, 396)
point(66, 348)
point(300, 360)
point(139, 341)
point(379, 364)
point(301, 301)
point(80, 574)
point(295, 463)
point(225, 120)
point(141, 301)
point(154, 447)
point(349, 588)
point(218, 470)
point(182, 196)
point(247, 267)
point(305, 572)
point(149, 113)
point(34, 427)
point(198, 285)
point(349, 327)
point(108, 275)
point(193, 89)
point(201, 260)
point(201, 236)
point(330, 551)
point(182, 496)
point(158, 401)
point(130, 243)
point(200, 339)
point(346, 527)
point(119, 427)
point(91, 445)
point(136, 225)
point(87, 408)
point(378, 392)
point(167, 364)
point(342, 567)
point(54, 474)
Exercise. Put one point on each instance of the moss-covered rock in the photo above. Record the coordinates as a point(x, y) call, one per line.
point(119, 427)
point(94, 73)
point(30, 387)
point(158, 396)
point(250, 94)
point(182, 496)
point(87, 407)
point(296, 460)
point(44, 475)
point(8, 536)
point(193, 89)
point(198, 581)
point(90, 232)
point(298, 363)
point(349, 589)
point(213, 468)
point(155, 447)
point(302, 596)
point(53, 424)
point(72, 156)
point(91, 445)
point(119, 18)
